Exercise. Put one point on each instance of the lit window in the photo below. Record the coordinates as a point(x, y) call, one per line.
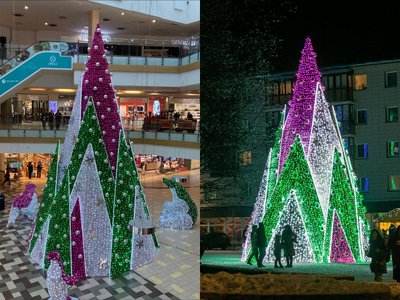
point(362, 151)
point(394, 182)
point(393, 148)
point(391, 79)
point(245, 158)
point(392, 114)
point(362, 116)
point(364, 184)
point(360, 82)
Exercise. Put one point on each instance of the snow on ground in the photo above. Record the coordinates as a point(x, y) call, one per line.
point(302, 279)
point(361, 272)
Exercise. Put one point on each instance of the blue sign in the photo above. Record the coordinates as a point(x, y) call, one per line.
point(47, 60)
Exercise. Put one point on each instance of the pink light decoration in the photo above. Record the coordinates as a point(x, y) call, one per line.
point(300, 114)
point(70, 280)
point(78, 256)
point(340, 250)
point(24, 199)
point(97, 83)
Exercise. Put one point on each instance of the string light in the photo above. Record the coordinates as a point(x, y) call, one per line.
point(25, 204)
point(268, 183)
point(184, 195)
point(175, 214)
point(302, 103)
point(316, 189)
point(49, 193)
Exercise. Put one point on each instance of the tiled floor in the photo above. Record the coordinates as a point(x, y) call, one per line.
point(174, 274)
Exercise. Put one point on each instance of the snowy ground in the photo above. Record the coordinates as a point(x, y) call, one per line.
point(231, 259)
point(234, 279)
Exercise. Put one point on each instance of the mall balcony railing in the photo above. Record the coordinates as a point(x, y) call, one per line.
point(120, 53)
point(133, 131)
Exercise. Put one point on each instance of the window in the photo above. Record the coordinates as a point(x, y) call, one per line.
point(245, 158)
point(360, 82)
point(394, 183)
point(362, 116)
point(392, 114)
point(362, 151)
point(391, 79)
point(363, 184)
point(393, 148)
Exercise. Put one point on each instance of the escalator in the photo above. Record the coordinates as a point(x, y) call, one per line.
point(29, 62)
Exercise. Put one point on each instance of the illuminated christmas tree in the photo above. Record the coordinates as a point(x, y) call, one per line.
point(93, 191)
point(312, 186)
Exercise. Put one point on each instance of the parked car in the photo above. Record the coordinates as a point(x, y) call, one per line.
point(214, 240)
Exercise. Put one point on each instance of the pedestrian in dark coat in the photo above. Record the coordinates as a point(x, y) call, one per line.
point(58, 117)
point(254, 245)
point(278, 251)
point(50, 117)
point(392, 231)
point(43, 118)
point(288, 240)
point(7, 176)
point(30, 169)
point(262, 243)
point(396, 254)
point(378, 254)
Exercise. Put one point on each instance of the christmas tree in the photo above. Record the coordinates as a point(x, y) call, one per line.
point(311, 184)
point(93, 191)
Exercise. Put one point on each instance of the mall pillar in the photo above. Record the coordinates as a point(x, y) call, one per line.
point(2, 162)
point(94, 19)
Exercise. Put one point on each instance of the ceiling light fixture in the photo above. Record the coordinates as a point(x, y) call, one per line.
point(122, 14)
point(37, 89)
point(65, 90)
point(131, 92)
point(26, 7)
point(154, 21)
point(46, 23)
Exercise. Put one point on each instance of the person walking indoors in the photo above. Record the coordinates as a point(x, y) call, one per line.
point(43, 118)
point(39, 169)
point(288, 240)
point(378, 253)
point(278, 251)
point(7, 176)
point(30, 169)
point(262, 244)
point(58, 118)
point(395, 247)
point(254, 244)
point(51, 119)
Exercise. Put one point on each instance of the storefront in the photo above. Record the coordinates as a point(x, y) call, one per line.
point(165, 165)
point(18, 163)
point(27, 108)
point(184, 106)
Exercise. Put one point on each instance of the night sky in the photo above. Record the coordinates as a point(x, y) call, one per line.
point(342, 32)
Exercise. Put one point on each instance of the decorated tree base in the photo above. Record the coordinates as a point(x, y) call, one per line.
point(175, 213)
point(24, 204)
point(181, 212)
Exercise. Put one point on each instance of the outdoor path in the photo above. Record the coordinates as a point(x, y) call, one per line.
point(231, 259)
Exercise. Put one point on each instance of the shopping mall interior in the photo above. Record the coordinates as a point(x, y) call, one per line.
point(153, 54)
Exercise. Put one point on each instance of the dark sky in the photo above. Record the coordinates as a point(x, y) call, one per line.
point(342, 32)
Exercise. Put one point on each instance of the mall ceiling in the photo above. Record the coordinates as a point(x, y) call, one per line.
point(71, 17)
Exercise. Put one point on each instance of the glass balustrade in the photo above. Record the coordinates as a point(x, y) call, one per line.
point(10, 57)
